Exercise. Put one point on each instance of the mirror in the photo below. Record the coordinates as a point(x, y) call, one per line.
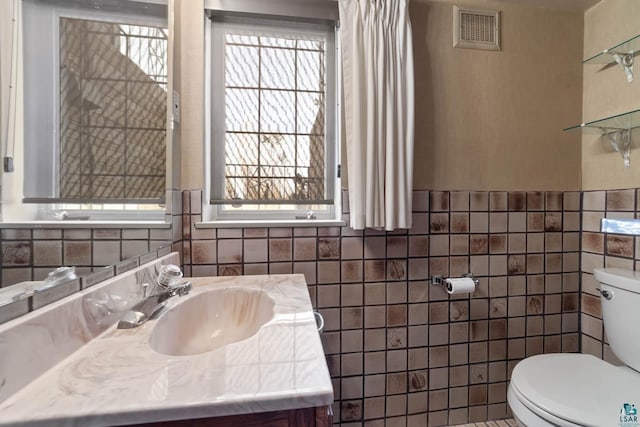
point(101, 132)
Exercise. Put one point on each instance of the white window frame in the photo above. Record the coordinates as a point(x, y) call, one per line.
point(93, 211)
point(214, 135)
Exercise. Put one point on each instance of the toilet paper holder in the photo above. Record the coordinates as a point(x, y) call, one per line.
point(440, 280)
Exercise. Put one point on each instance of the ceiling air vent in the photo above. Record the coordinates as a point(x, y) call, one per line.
point(476, 29)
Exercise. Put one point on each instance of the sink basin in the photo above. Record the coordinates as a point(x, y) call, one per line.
point(210, 320)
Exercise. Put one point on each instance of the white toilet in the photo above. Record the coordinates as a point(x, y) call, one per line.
point(579, 389)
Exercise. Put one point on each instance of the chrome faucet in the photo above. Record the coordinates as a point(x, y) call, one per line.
point(150, 305)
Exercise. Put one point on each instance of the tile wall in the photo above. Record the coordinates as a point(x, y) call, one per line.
point(31, 253)
point(402, 352)
point(604, 250)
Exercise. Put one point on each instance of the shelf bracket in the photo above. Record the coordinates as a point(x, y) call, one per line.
point(625, 60)
point(620, 140)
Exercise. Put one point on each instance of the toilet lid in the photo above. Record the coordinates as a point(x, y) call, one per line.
point(579, 388)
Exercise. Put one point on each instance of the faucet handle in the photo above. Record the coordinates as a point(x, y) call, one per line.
point(168, 275)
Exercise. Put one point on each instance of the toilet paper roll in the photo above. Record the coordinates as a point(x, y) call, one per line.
point(460, 285)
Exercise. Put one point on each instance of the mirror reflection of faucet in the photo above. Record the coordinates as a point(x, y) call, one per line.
point(165, 287)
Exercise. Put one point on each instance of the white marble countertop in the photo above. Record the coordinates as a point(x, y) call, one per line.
point(118, 379)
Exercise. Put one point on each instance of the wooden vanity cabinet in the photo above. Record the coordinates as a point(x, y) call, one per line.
point(306, 417)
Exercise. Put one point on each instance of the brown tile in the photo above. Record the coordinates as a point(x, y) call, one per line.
point(77, 252)
point(535, 201)
point(418, 380)
point(374, 293)
point(397, 383)
point(304, 248)
point(516, 264)
point(535, 325)
point(459, 222)
point(591, 305)
point(459, 244)
point(479, 201)
point(518, 242)
point(375, 247)
point(439, 245)
point(352, 318)
point(593, 242)
point(497, 329)
point(619, 245)
point(535, 305)
point(230, 270)
point(351, 410)
point(535, 221)
point(478, 351)
point(459, 310)
point(498, 200)
point(255, 232)
point(439, 200)
point(352, 248)
point(374, 270)
point(497, 307)
point(439, 223)
point(553, 201)
point(16, 253)
point(328, 248)
point(420, 201)
point(328, 272)
point(517, 201)
point(479, 222)
point(397, 315)
point(396, 270)
point(397, 338)
point(352, 271)
point(458, 376)
point(498, 222)
point(396, 247)
point(438, 312)
point(229, 250)
point(479, 330)
point(553, 263)
point(419, 246)
point(255, 250)
point(459, 200)
point(535, 263)
point(498, 243)
point(477, 394)
point(553, 242)
point(593, 200)
point(478, 244)
point(280, 250)
point(458, 332)
point(553, 221)
point(438, 356)
point(47, 253)
point(620, 200)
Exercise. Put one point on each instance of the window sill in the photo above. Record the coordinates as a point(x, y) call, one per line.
point(85, 224)
point(271, 223)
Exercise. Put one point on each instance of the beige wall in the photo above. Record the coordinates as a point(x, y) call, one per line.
point(606, 92)
point(484, 120)
point(489, 120)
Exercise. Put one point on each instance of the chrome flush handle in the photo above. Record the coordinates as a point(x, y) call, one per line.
point(605, 294)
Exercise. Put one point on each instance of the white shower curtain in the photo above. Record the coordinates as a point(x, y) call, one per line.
point(377, 66)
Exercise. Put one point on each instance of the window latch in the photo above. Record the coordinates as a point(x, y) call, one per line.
point(309, 215)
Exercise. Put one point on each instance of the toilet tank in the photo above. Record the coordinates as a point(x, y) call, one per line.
point(621, 312)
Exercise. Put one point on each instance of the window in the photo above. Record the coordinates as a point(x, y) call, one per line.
point(95, 89)
point(273, 138)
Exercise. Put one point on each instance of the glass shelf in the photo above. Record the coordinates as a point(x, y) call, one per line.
point(624, 121)
point(617, 129)
point(606, 56)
